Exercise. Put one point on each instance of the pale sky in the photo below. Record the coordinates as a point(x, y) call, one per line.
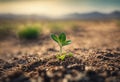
point(57, 7)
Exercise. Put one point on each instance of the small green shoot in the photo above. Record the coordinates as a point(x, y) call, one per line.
point(64, 55)
point(61, 40)
point(61, 57)
point(70, 54)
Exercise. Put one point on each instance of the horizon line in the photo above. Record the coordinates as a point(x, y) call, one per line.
point(64, 14)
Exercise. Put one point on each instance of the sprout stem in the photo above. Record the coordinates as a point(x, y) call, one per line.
point(60, 50)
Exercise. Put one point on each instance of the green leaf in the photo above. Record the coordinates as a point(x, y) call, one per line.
point(62, 37)
point(55, 38)
point(70, 54)
point(66, 42)
point(62, 57)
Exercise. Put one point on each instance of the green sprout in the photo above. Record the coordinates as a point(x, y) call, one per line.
point(61, 57)
point(61, 40)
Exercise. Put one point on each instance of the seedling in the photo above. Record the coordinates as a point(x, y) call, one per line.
point(61, 57)
point(70, 54)
point(61, 40)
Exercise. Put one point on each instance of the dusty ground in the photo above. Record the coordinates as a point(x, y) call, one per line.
point(96, 49)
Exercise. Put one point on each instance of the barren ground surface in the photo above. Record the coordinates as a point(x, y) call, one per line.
point(96, 49)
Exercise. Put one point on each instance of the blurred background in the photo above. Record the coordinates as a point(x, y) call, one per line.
point(28, 54)
point(26, 25)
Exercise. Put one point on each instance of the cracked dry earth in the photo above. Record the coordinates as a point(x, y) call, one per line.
point(96, 49)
